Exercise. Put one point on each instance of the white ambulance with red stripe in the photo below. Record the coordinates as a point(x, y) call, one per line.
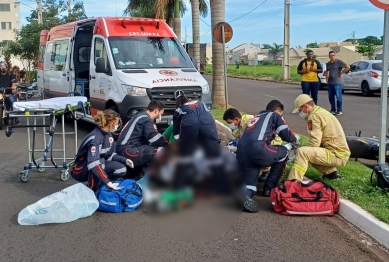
point(119, 63)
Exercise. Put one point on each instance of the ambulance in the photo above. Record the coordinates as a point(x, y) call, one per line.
point(119, 63)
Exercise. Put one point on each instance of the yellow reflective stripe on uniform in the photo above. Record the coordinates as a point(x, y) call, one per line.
point(299, 168)
point(329, 157)
point(342, 154)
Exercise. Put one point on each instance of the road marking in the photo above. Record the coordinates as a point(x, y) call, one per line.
point(271, 96)
point(240, 89)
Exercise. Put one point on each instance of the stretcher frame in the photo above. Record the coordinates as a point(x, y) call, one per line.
point(52, 115)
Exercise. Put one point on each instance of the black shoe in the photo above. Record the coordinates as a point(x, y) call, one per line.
point(333, 175)
point(262, 178)
point(266, 191)
point(250, 205)
point(17, 122)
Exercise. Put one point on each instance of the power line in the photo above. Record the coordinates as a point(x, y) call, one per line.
point(259, 19)
point(248, 12)
point(204, 22)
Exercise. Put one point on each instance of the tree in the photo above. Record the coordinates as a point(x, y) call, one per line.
point(367, 50)
point(275, 49)
point(170, 10)
point(266, 46)
point(218, 85)
point(196, 30)
point(313, 45)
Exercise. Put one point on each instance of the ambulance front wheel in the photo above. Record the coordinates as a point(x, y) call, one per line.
point(65, 175)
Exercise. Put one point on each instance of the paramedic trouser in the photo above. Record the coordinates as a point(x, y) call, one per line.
point(320, 158)
point(140, 155)
point(261, 155)
point(113, 169)
point(275, 142)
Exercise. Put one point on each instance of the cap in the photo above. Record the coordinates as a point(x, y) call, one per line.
point(301, 100)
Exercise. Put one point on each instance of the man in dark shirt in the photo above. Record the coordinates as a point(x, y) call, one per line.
point(334, 81)
point(8, 80)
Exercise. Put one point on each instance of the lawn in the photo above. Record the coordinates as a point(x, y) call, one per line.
point(354, 184)
point(261, 71)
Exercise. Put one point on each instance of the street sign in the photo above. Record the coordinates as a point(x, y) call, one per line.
point(217, 32)
point(383, 4)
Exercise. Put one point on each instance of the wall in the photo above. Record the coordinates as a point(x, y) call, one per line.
point(347, 55)
point(9, 13)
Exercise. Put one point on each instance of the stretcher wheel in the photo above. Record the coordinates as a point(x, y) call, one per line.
point(8, 131)
point(24, 176)
point(41, 169)
point(65, 175)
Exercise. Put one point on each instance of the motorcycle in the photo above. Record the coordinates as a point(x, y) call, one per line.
point(29, 90)
point(5, 92)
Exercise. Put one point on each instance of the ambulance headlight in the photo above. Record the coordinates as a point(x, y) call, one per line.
point(134, 90)
point(205, 89)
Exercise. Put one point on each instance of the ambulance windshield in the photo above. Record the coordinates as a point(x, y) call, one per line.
point(148, 52)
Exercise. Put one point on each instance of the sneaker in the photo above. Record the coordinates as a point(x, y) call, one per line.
point(333, 112)
point(17, 122)
point(333, 175)
point(250, 205)
point(339, 113)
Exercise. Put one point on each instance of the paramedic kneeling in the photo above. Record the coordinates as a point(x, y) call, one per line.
point(327, 147)
point(96, 160)
point(255, 151)
point(140, 139)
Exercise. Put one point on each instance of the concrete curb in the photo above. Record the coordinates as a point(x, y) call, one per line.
point(365, 221)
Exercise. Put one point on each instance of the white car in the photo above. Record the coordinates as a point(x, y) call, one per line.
point(322, 78)
point(364, 75)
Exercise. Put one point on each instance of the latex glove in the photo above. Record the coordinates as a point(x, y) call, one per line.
point(297, 137)
point(288, 146)
point(113, 186)
point(232, 148)
point(129, 163)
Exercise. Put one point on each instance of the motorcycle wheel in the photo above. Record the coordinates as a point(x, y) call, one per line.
point(1, 119)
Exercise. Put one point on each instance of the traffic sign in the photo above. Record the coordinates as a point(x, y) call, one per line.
point(217, 32)
point(383, 4)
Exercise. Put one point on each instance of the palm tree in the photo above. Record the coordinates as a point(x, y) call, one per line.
point(170, 10)
point(218, 87)
point(196, 30)
point(275, 49)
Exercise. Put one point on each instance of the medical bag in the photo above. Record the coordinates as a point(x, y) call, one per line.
point(126, 199)
point(313, 198)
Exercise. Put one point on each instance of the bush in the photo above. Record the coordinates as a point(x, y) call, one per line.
point(31, 75)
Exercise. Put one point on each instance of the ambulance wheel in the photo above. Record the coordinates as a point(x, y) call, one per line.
point(65, 175)
point(8, 131)
point(24, 176)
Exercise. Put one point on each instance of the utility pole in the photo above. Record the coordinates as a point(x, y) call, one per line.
point(286, 62)
point(40, 21)
point(69, 7)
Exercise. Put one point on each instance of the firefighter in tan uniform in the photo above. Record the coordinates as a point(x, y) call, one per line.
point(327, 147)
point(238, 124)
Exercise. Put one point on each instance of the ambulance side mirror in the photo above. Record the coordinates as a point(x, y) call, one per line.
point(194, 61)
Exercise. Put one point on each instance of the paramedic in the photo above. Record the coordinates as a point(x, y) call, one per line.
point(96, 160)
point(139, 140)
point(327, 147)
point(238, 124)
point(255, 151)
point(8, 80)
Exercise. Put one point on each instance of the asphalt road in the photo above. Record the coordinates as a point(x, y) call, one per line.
point(359, 113)
point(265, 236)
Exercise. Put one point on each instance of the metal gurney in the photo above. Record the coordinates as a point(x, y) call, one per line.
point(48, 111)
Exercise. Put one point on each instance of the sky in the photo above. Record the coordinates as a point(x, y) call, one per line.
point(310, 20)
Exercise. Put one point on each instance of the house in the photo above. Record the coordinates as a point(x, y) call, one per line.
point(322, 54)
point(248, 53)
point(9, 21)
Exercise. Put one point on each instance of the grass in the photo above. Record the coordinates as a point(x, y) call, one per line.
point(354, 185)
point(261, 71)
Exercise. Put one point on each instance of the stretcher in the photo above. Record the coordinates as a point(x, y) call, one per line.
point(48, 111)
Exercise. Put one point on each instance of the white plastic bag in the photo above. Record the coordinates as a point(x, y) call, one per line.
point(67, 205)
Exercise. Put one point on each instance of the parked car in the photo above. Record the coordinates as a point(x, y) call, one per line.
point(364, 75)
point(322, 77)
